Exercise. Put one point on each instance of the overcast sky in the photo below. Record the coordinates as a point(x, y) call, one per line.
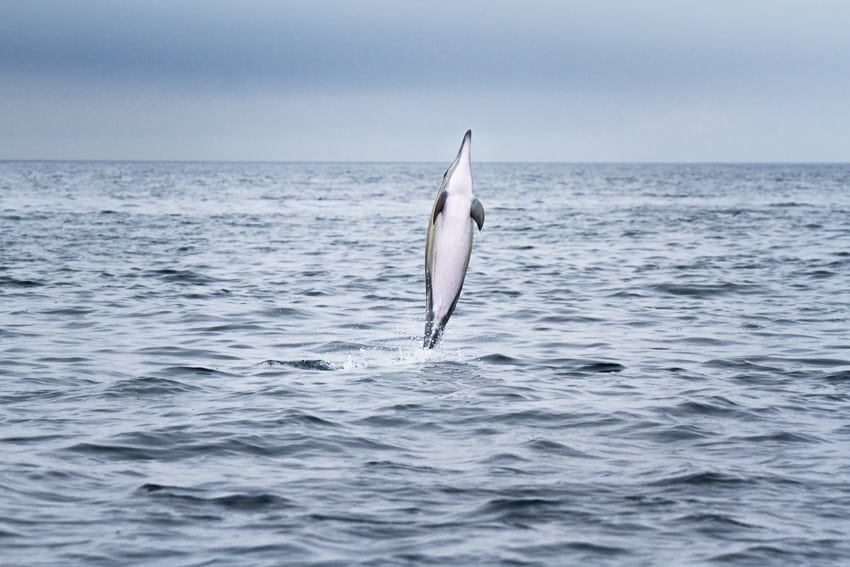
point(603, 80)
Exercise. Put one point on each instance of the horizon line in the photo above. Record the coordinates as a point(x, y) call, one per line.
point(489, 162)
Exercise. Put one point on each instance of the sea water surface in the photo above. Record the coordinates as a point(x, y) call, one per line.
point(221, 363)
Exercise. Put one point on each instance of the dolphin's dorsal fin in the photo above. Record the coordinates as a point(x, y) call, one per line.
point(438, 205)
point(476, 211)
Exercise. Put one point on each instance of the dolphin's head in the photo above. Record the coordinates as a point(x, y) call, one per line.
point(458, 178)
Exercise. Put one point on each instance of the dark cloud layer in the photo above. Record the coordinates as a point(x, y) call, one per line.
point(637, 67)
point(376, 44)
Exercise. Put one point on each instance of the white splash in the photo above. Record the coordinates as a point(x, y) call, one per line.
point(410, 353)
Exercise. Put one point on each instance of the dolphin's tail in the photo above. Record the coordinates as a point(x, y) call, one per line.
point(434, 329)
point(433, 332)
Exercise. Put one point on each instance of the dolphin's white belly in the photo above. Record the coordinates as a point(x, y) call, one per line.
point(452, 247)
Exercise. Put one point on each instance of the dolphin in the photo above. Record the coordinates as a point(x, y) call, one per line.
point(449, 242)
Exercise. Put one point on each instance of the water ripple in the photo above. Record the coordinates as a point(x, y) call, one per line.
point(221, 363)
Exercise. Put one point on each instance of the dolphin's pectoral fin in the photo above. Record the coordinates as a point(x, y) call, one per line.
point(476, 211)
point(438, 205)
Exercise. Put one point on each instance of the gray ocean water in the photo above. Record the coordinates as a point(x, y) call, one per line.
point(220, 363)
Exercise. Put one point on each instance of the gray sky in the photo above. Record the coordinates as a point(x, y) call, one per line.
point(604, 80)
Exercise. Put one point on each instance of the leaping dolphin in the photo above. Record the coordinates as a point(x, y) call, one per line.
point(449, 242)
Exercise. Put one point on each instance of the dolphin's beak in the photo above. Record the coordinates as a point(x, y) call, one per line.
point(465, 148)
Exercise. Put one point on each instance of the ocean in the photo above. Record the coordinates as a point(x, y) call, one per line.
point(221, 364)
